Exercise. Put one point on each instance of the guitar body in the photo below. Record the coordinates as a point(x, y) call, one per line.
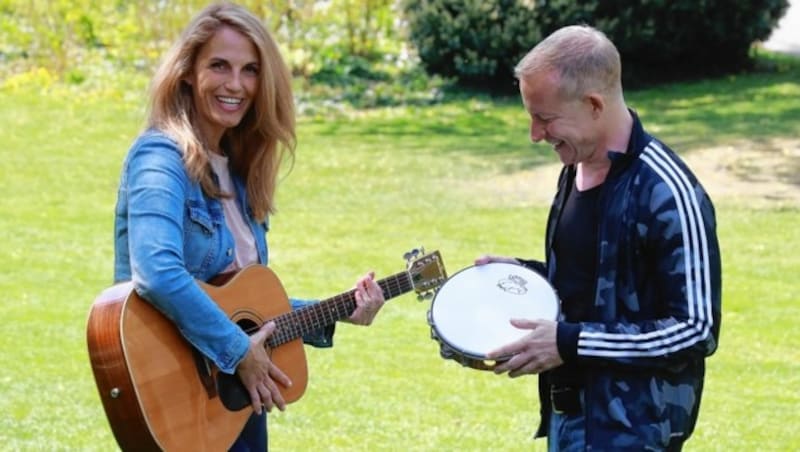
point(160, 393)
point(150, 379)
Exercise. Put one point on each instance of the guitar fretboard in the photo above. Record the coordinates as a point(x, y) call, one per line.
point(297, 323)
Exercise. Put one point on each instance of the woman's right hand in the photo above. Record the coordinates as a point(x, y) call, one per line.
point(260, 376)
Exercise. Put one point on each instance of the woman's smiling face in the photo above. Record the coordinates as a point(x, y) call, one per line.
point(225, 80)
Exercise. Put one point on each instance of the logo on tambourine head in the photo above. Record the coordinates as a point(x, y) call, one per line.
point(514, 285)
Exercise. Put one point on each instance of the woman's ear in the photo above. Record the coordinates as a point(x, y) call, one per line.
point(188, 78)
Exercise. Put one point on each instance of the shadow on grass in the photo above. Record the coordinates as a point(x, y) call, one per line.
point(747, 107)
point(471, 127)
point(688, 116)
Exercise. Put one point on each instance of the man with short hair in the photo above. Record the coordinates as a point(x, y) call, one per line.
point(632, 251)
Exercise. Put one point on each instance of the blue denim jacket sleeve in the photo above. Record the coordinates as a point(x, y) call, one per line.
point(155, 185)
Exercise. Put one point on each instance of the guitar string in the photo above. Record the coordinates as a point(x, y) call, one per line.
point(401, 282)
point(336, 307)
point(329, 311)
point(296, 323)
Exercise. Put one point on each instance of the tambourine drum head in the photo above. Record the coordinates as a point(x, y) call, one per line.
point(471, 311)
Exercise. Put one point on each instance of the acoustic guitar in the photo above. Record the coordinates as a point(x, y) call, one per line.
point(160, 393)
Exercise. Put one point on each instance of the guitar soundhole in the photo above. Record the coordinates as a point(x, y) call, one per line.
point(249, 326)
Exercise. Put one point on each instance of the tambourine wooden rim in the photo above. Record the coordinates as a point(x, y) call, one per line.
point(470, 313)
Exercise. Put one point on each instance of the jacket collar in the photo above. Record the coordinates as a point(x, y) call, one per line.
point(636, 143)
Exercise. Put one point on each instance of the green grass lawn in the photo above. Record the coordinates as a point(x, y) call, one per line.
point(365, 188)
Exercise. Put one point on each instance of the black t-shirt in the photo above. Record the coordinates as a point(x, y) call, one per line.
point(575, 247)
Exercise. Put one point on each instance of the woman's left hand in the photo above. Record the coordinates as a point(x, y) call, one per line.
point(369, 300)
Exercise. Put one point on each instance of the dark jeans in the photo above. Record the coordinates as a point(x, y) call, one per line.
point(254, 435)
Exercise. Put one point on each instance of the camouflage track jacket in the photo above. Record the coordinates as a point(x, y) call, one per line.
point(657, 303)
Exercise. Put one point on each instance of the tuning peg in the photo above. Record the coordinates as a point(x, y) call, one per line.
point(411, 254)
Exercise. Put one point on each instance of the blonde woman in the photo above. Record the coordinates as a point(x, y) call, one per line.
point(198, 186)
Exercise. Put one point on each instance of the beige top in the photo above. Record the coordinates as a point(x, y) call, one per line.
point(246, 252)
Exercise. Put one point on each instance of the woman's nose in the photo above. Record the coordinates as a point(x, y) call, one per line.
point(234, 82)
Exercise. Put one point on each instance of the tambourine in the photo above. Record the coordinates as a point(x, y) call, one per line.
point(470, 314)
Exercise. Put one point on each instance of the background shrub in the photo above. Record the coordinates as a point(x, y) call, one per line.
point(370, 52)
point(476, 42)
point(340, 51)
point(664, 40)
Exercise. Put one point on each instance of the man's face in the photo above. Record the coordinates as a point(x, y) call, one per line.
point(569, 125)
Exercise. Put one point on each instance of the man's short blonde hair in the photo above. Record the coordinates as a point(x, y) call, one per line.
point(582, 57)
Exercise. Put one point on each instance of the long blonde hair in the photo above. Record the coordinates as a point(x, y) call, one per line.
point(258, 144)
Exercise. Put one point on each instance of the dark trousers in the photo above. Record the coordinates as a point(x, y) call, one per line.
point(254, 435)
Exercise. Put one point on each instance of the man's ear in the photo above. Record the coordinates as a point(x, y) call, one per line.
point(597, 103)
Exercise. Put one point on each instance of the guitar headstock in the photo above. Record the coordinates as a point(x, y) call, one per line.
point(426, 271)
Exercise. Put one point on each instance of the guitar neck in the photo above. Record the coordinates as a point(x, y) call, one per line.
point(297, 323)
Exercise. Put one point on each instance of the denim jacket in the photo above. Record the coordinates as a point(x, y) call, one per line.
point(168, 233)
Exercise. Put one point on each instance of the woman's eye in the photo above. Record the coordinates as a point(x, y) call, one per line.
point(251, 70)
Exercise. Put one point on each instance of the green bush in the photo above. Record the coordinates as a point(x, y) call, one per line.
point(662, 40)
point(340, 51)
point(476, 42)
